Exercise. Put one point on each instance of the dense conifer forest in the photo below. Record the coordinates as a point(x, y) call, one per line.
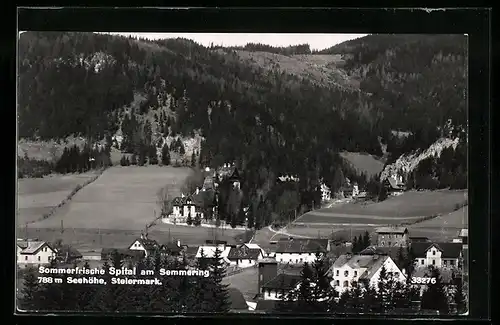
point(268, 122)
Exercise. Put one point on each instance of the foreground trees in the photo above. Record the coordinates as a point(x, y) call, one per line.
point(177, 294)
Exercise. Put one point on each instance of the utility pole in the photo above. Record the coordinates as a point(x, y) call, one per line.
point(100, 237)
point(26, 231)
point(62, 227)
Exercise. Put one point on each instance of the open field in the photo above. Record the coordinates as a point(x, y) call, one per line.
point(92, 238)
point(456, 220)
point(121, 198)
point(404, 208)
point(38, 196)
point(364, 163)
point(351, 219)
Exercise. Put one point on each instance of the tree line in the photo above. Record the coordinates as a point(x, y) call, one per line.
point(314, 294)
point(177, 294)
point(76, 160)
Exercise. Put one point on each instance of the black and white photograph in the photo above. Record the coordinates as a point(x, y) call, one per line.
point(259, 173)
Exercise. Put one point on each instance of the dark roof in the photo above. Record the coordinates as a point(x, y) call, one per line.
point(235, 176)
point(191, 251)
point(244, 253)
point(236, 299)
point(393, 184)
point(172, 247)
point(448, 250)
point(266, 305)
point(302, 246)
point(148, 244)
point(282, 281)
point(106, 253)
point(419, 239)
point(215, 242)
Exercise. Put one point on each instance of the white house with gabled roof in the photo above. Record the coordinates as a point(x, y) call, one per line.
point(34, 253)
point(349, 269)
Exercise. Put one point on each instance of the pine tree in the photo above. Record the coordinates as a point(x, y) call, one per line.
point(30, 291)
point(123, 161)
point(153, 157)
point(355, 245)
point(434, 297)
point(189, 219)
point(197, 220)
point(322, 290)
point(366, 239)
point(221, 303)
point(384, 289)
point(304, 293)
point(133, 159)
point(459, 297)
point(193, 160)
point(165, 155)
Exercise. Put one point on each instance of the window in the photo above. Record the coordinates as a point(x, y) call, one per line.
point(433, 262)
point(346, 273)
point(337, 273)
point(383, 243)
point(422, 261)
point(261, 277)
point(281, 260)
point(26, 257)
point(337, 282)
point(433, 252)
point(346, 284)
point(39, 258)
point(452, 262)
point(45, 249)
point(300, 260)
point(389, 243)
point(355, 273)
point(445, 262)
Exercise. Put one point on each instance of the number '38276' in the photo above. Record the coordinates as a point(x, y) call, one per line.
point(423, 280)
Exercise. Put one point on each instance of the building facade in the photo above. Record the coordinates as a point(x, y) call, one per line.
point(440, 255)
point(34, 253)
point(299, 251)
point(350, 269)
point(392, 236)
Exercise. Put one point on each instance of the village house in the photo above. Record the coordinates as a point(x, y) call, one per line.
point(68, 254)
point(462, 238)
point(288, 178)
point(235, 179)
point(243, 256)
point(184, 207)
point(440, 255)
point(34, 253)
point(299, 251)
point(392, 236)
point(144, 244)
point(326, 193)
point(394, 184)
point(349, 269)
point(270, 284)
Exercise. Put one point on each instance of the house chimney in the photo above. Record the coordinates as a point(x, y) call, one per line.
point(178, 242)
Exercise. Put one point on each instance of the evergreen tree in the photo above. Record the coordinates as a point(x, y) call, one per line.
point(355, 245)
point(221, 303)
point(165, 155)
point(366, 239)
point(123, 161)
point(322, 290)
point(197, 220)
point(189, 219)
point(304, 295)
point(434, 297)
point(153, 157)
point(30, 292)
point(133, 159)
point(193, 160)
point(459, 297)
point(182, 151)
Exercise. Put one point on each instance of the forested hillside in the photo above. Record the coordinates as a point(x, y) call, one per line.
point(265, 118)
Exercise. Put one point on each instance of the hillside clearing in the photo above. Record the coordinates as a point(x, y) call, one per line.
point(364, 163)
point(38, 196)
point(457, 220)
point(122, 198)
point(409, 205)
